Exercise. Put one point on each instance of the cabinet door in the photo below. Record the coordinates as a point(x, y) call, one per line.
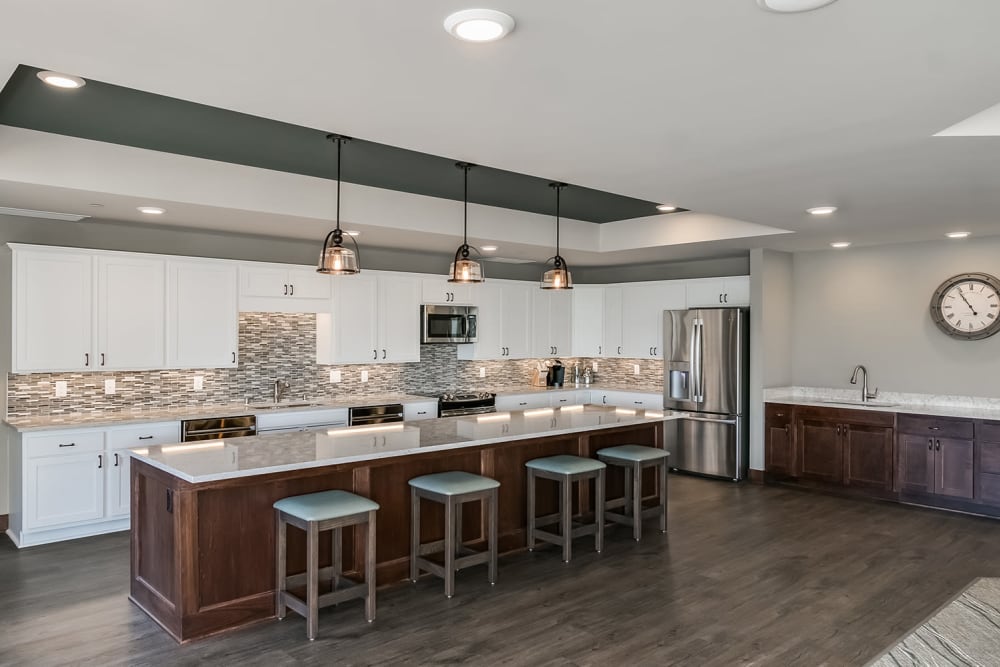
point(53, 299)
point(119, 483)
point(516, 326)
point(642, 316)
point(705, 293)
point(613, 322)
point(202, 315)
point(561, 322)
point(541, 344)
point(64, 489)
point(131, 312)
point(305, 283)
point(263, 281)
point(736, 291)
point(350, 334)
point(868, 456)
point(489, 326)
point(588, 322)
point(398, 319)
point(437, 290)
point(821, 450)
point(779, 443)
point(953, 467)
point(915, 467)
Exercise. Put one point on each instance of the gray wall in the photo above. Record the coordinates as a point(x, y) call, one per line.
point(870, 306)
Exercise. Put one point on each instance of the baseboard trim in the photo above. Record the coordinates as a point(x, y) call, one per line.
point(4, 522)
point(756, 476)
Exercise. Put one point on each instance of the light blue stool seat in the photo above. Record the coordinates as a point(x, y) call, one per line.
point(453, 483)
point(325, 505)
point(565, 464)
point(634, 453)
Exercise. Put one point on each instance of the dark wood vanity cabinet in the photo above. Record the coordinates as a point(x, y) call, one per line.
point(936, 456)
point(779, 441)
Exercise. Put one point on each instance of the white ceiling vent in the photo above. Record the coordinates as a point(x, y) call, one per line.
point(509, 260)
point(48, 215)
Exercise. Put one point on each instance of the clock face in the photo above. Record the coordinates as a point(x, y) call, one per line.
point(967, 306)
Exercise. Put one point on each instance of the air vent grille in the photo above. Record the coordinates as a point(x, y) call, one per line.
point(48, 215)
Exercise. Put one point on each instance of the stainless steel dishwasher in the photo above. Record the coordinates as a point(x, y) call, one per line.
point(214, 428)
point(376, 414)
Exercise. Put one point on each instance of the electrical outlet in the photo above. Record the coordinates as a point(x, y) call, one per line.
point(594, 366)
point(364, 376)
point(335, 376)
point(199, 382)
point(61, 389)
point(482, 371)
point(109, 386)
point(635, 369)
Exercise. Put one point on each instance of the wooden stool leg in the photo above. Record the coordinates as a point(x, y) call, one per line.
point(280, 566)
point(492, 542)
point(338, 556)
point(566, 516)
point(449, 547)
point(637, 501)
point(312, 579)
point(663, 497)
point(599, 510)
point(414, 534)
point(370, 567)
point(531, 509)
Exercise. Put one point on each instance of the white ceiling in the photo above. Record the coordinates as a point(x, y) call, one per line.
point(713, 104)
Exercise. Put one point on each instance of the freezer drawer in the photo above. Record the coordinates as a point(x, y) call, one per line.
point(708, 446)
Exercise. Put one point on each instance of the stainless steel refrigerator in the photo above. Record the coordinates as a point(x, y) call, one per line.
point(706, 373)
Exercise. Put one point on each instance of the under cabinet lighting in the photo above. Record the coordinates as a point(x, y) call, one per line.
point(500, 417)
point(365, 429)
point(540, 412)
point(571, 408)
point(173, 449)
point(625, 411)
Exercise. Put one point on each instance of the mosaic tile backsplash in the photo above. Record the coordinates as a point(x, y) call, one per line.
point(281, 345)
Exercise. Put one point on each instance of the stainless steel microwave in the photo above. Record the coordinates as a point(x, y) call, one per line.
point(448, 324)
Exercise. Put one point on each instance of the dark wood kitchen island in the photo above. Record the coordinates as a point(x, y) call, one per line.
point(202, 531)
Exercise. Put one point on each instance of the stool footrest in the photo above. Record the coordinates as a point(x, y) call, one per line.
point(627, 518)
point(300, 606)
point(475, 558)
point(553, 538)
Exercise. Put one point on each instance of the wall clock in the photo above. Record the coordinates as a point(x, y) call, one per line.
point(967, 306)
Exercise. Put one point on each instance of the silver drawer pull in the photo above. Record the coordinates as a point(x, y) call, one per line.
point(72, 444)
point(421, 412)
point(145, 437)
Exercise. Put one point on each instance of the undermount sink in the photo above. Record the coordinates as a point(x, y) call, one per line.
point(870, 404)
point(283, 406)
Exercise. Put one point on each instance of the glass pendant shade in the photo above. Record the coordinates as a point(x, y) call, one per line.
point(464, 268)
point(335, 259)
point(558, 277)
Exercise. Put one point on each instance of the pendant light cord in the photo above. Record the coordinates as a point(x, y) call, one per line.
point(339, 148)
point(465, 198)
point(558, 188)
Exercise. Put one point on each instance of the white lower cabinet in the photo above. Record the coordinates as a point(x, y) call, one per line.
point(508, 402)
point(628, 399)
point(564, 398)
point(64, 489)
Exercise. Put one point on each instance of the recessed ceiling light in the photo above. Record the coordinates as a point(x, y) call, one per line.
point(666, 208)
point(489, 248)
point(791, 6)
point(96, 205)
point(957, 235)
point(60, 80)
point(821, 210)
point(351, 232)
point(479, 25)
point(151, 210)
point(840, 244)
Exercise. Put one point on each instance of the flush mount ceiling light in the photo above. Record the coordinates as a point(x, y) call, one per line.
point(821, 210)
point(957, 235)
point(558, 277)
point(840, 244)
point(60, 80)
point(335, 259)
point(792, 6)
point(151, 210)
point(666, 208)
point(489, 248)
point(351, 232)
point(479, 25)
point(465, 269)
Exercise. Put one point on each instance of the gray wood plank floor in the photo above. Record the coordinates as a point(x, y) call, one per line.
point(747, 576)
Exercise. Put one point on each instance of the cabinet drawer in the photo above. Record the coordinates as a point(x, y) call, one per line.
point(140, 435)
point(64, 442)
point(939, 427)
point(989, 432)
point(778, 411)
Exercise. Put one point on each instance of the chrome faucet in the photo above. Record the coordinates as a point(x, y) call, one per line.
point(279, 387)
point(865, 396)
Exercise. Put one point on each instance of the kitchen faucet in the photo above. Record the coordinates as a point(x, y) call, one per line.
point(865, 396)
point(280, 386)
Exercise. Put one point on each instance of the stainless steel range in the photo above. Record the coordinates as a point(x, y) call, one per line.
point(452, 404)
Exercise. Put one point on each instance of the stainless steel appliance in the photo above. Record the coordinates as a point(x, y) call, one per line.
point(457, 405)
point(706, 373)
point(214, 428)
point(376, 414)
point(556, 374)
point(449, 324)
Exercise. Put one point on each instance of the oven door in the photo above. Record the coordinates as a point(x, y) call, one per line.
point(447, 324)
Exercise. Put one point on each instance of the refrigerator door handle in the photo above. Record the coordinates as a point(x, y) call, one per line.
point(697, 350)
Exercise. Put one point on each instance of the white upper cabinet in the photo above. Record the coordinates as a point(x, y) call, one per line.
point(588, 321)
point(52, 311)
point(131, 307)
point(279, 288)
point(552, 323)
point(613, 344)
point(202, 314)
point(437, 290)
point(398, 318)
point(515, 332)
point(504, 322)
point(718, 292)
point(642, 316)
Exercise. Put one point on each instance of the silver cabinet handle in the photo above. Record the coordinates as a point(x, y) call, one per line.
point(70, 444)
point(291, 290)
point(937, 445)
point(930, 444)
point(286, 290)
point(102, 358)
point(86, 359)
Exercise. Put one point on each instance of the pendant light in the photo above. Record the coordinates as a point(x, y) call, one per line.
point(558, 277)
point(335, 259)
point(464, 269)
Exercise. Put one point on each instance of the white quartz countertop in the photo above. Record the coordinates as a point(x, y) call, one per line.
point(79, 419)
point(569, 386)
point(231, 458)
point(963, 407)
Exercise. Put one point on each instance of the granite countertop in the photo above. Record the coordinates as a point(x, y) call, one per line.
point(54, 422)
point(963, 407)
point(200, 462)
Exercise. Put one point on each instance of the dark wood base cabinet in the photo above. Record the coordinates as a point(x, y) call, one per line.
point(936, 461)
point(203, 554)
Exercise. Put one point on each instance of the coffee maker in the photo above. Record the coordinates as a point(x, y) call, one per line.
point(556, 374)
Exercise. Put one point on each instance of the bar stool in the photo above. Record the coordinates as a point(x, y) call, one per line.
point(635, 459)
point(452, 489)
point(565, 470)
point(314, 513)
